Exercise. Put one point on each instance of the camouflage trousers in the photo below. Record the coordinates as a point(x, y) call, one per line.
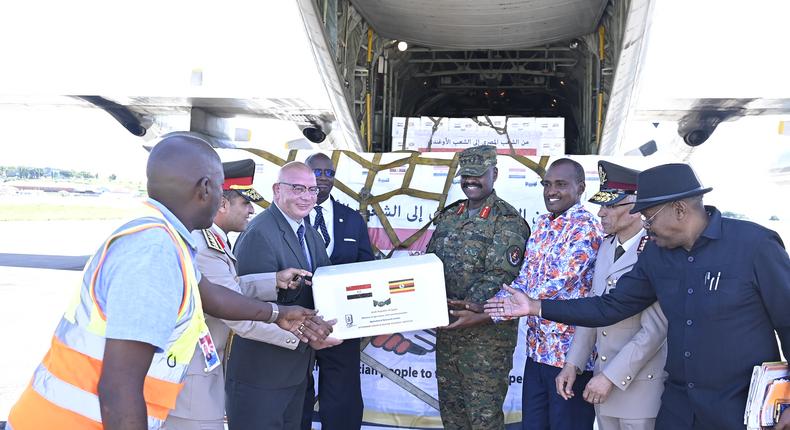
point(472, 372)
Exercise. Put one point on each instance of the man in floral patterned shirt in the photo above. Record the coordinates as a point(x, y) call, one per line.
point(558, 266)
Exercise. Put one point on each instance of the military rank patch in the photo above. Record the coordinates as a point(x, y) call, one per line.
point(642, 244)
point(212, 241)
point(485, 212)
point(514, 256)
point(461, 208)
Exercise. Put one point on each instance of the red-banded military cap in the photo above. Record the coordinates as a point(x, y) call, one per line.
point(616, 183)
point(239, 176)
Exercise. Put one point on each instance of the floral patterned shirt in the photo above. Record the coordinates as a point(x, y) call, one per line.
point(558, 266)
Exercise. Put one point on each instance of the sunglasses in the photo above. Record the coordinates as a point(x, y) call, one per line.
point(329, 173)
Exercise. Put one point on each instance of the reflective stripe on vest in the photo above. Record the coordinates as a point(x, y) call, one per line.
point(64, 387)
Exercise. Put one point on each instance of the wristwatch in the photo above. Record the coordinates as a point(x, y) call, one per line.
point(275, 313)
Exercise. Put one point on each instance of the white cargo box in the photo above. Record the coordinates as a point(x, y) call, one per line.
point(382, 296)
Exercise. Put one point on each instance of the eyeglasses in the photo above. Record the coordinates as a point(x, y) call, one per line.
point(299, 189)
point(647, 222)
point(329, 173)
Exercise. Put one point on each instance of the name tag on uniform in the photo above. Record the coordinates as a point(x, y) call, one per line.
point(210, 356)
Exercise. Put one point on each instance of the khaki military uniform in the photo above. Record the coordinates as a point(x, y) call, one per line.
point(631, 353)
point(201, 403)
point(481, 250)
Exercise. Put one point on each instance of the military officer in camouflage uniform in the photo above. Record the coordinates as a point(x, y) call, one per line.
point(481, 242)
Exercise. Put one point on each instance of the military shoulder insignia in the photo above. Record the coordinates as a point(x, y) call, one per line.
point(514, 256)
point(461, 208)
point(212, 241)
point(642, 244)
point(485, 212)
point(458, 205)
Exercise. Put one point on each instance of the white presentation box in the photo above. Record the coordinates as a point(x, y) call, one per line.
point(382, 296)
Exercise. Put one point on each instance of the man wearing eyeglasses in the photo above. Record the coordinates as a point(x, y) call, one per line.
point(265, 383)
point(629, 367)
point(723, 285)
point(345, 237)
point(201, 404)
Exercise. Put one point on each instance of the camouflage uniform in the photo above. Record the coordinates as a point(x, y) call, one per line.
point(481, 250)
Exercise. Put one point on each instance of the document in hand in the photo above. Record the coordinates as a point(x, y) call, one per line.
point(382, 296)
point(769, 389)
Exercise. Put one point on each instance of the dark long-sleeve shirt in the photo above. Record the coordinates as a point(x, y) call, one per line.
point(726, 301)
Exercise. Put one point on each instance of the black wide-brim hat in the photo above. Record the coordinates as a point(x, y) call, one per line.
point(666, 183)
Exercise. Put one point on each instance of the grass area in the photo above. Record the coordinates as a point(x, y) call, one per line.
point(60, 212)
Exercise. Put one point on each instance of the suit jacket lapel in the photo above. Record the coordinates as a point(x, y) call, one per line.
point(289, 236)
point(602, 263)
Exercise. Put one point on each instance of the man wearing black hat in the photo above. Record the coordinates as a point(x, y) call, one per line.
point(201, 405)
point(631, 354)
point(723, 284)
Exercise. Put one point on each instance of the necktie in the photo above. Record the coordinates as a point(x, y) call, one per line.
point(320, 225)
point(618, 252)
point(305, 251)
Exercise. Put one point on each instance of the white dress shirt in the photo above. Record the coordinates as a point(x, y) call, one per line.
point(329, 220)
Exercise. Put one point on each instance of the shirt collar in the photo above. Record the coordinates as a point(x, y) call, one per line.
point(294, 224)
point(175, 222)
point(326, 205)
point(635, 238)
point(713, 229)
point(220, 232)
point(489, 201)
point(570, 213)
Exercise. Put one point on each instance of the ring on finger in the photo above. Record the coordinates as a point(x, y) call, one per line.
point(301, 327)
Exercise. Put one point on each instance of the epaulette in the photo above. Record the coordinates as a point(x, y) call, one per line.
point(212, 241)
point(458, 205)
point(505, 208)
point(452, 205)
point(642, 244)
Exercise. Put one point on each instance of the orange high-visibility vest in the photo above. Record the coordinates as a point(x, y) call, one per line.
point(63, 393)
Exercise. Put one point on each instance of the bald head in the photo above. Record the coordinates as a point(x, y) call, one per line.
point(185, 175)
point(291, 169)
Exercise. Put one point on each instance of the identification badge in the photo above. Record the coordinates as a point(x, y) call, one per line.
point(210, 356)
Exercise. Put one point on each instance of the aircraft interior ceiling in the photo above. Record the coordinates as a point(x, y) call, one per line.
point(531, 58)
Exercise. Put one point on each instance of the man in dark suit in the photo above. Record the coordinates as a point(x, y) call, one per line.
point(345, 236)
point(265, 384)
point(722, 284)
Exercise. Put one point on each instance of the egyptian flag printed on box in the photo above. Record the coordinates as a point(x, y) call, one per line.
point(359, 291)
point(402, 286)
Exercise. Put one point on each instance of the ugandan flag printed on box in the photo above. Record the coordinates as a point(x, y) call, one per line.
point(359, 291)
point(402, 286)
